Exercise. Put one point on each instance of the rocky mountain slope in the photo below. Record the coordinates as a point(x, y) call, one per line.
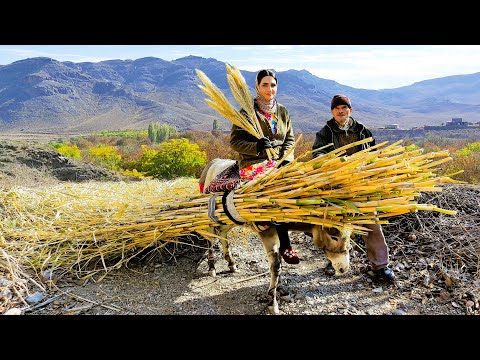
point(46, 95)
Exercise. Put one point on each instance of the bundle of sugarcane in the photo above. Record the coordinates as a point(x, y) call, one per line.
point(76, 227)
point(240, 91)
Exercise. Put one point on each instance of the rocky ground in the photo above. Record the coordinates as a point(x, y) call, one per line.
point(175, 281)
point(181, 285)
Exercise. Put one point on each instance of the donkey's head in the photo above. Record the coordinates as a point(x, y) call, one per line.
point(336, 244)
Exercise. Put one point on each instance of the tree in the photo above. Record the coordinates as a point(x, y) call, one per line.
point(158, 132)
point(216, 130)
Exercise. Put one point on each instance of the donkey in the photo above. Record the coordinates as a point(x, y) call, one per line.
point(335, 243)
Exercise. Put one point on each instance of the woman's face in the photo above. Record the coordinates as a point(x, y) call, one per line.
point(267, 88)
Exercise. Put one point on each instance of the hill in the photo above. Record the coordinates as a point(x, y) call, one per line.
point(28, 164)
point(45, 95)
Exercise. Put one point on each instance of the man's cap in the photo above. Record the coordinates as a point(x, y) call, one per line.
point(340, 99)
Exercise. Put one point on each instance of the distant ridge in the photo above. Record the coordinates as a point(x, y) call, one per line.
point(45, 95)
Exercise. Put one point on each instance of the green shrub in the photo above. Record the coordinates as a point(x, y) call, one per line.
point(174, 158)
point(68, 150)
point(106, 156)
point(133, 173)
point(469, 149)
point(122, 133)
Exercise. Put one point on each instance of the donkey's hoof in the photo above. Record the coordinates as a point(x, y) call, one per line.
point(233, 268)
point(273, 309)
point(212, 272)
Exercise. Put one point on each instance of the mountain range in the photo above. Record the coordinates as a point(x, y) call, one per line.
point(45, 95)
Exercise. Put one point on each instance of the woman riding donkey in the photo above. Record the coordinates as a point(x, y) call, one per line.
point(253, 160)
point(274, 120)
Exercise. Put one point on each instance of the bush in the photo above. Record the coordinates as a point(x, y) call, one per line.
point(68, 150)
point(106, 156)
point(133, 173)
point(174, 158)
point(467, 160)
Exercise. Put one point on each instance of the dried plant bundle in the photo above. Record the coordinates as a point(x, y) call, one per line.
point(95, 227)
point(219, 102)
point(242, 94)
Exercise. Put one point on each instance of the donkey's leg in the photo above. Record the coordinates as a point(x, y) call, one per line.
point(221, 231)
point(227, 254)
point(211, 259)
point(271, 245)
point(211, 254)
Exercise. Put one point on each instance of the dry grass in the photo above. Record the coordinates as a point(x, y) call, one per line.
point(20, 175)
point(92, 228)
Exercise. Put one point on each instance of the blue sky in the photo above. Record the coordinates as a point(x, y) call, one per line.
point(359, 66)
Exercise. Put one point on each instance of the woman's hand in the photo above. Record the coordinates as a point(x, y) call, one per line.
point(263, 144)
